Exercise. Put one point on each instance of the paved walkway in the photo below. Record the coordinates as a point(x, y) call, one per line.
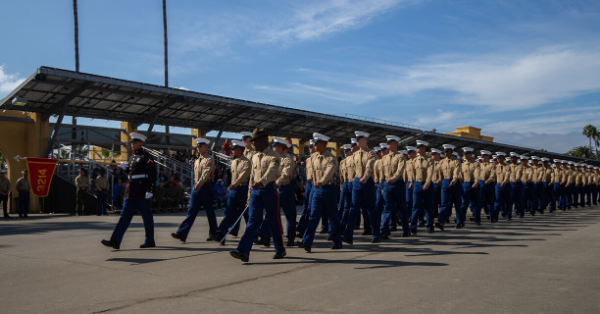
point(544, 264)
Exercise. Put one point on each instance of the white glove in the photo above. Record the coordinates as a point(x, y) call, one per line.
point(148, 195)
point(123, 166)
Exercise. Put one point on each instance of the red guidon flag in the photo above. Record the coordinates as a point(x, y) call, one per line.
point(40, 172)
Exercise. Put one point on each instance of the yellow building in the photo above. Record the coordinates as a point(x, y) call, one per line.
point(470, 132)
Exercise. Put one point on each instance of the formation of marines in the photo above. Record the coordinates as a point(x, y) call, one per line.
point(391, 189)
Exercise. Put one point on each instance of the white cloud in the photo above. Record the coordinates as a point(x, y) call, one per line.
point(320, 92)
point(500, 82)
point(315, 19)
point(554, 124)
point(8, 82)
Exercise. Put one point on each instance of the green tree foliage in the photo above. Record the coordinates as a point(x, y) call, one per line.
point(582, 151)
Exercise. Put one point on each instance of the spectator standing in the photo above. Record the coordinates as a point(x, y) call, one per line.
point(4, 190)
point(227, 147)
point(117, 196)
point(102, 187)
point(23, 188)
point(82, 183)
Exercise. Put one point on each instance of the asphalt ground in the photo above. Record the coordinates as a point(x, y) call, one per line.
point(543, 264)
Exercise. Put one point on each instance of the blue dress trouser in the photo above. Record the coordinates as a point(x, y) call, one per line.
point(436, 199)
point(394, 199)
point(263, 199)
point(363, 194)
point(287, 203)
point(23, 203)
point(342, 201)
point(409, 200)
point(588, 194)
point(516, 192)
point(595, 194)
point(101, 203)
point(555, 196)
point(486, 196)
point(575, 195)
point(503, 202)
point(542, 196)
point(581, 191)
point(564, 191)
point(450, 195)
point(379, 202)
point(129, 206)
point(203, 197)
point(527, 198)
point(470, 196)
point(236, 203)
point(421, 202)
point(303, 222)
point(323, 200)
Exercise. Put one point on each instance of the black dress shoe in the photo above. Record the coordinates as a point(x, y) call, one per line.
point(307, 248)
point(289, 243)
point(176, 236)
point(113, 244)
point(385, 236)
point(279, 255)
point(413, 231)
point(447, 220)
point(216, 237)
point(375, 240)
point(439, 226)
point(264, 242)
point(336, 246)
point(367, 232)
point(235, 234)
point(147, 245)
point(330, 238)
point(323, 231)
point(430, 231)
point(478, 223)
point(421, 224)
point(459, 226)
point(299, 244)
point(6, 216)
point(239, 255)
point(394, 228)
point(471, 219)
point(347, 240)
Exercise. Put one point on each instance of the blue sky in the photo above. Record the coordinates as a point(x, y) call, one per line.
point(526, 72)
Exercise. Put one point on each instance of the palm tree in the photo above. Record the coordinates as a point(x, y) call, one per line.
point(590, 131)
point(597, 141)
point(582, 151)
point(106, 153)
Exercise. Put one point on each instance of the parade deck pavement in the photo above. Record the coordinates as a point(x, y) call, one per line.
point(543, 264)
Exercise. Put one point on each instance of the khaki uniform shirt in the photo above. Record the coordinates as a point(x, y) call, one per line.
point(516, 172)
point(286, 169)
point(556, 175)
point(409, 172)
point(527, 175)
point(324, 167)
point(249, 153)
point(469, 172)
point(349, 168)
point(4, 185)
point(23, 184)
point(309, 167)
point(437, 172)
point(450, 169)
point(487, 172)
point(343, 171)
point(377, 171)
point(102, 183)
point(423, 168)
point(82, 182)
point(502, 173)
point(393, 166)
point(265, 168)
point(569, 177)
point(546, 175)
point(240, 171)
point(578, 177)
point(364, 163)
point(203, 169)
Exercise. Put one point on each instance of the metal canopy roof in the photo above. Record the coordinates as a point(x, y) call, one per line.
point(48, 90)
